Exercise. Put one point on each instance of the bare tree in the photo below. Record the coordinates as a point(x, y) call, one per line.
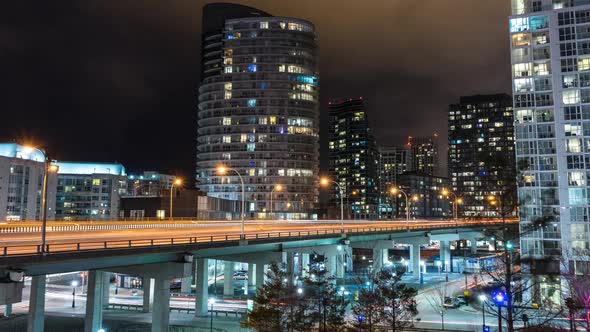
point(576, 272)
point(436, 298)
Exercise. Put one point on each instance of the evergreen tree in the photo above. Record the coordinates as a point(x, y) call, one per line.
point(278, 306)
point(399, 300)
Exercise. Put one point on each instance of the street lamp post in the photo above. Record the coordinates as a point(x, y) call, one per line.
point(324, 182)
point(278, 187)
point(483, 299)
point(74, 285)
point(455, 204)
point(176, 182)
point(394, 192)
point(222, 170)
point(211, 303)
point(47, 168)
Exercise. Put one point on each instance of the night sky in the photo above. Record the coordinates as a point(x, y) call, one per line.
point(116, 81)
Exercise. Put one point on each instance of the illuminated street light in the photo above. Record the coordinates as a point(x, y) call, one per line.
point(324, 182)
point(222, 170)
point(299, 290)
point(47, 168)
point(394, 191)
point(278, 187)
point(483, 298)
point(177, 182)
point(455, 201)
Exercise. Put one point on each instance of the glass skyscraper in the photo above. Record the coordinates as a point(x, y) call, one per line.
point(258, 110)
point(550, 52)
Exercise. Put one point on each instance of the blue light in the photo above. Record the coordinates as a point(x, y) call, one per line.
point(360, 318)
point(263, 85)
point(90, 168)
point(251, 102)
point(252, 68)
point(230, 36)
point(131, 177)
point(309, 79)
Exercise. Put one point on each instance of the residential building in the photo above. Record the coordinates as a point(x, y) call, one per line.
point(149, 183)
point(21, 184)
point(393, 162)
point(424, 196)
point(258, 110)
point(481, 154)
point(354, 159)
point(184, 205)
point(550, 57)
point(424, 154)
point(89, 191)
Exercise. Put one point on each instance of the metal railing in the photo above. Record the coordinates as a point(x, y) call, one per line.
point(61, 247)
point(139, 307)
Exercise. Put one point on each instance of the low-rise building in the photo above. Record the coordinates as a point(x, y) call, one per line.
point(89, 191)
point(21, 183)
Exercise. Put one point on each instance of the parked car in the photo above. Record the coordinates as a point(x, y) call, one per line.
point(462, 299)
point(451, 302)
point(241, 275)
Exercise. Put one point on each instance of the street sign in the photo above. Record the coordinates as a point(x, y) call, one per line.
point(486, 328)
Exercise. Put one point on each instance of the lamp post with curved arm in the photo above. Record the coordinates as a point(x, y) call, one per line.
point(177, 182)
point(325, 182)
point(455, 201)
point(222, 170)
point(47, 167)
point(394, 192)
point(278, 187)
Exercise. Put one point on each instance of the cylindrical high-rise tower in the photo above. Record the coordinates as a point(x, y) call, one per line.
point(258, 110)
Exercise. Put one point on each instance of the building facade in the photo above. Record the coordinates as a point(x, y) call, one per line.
point(149, 183)
point(424, 154)
point(481, 153)
point(89, 191)
point(550, 56)
point(424, 196)
point(354, 159)
point(393, 162)
point(258, 110)
point(21, 184)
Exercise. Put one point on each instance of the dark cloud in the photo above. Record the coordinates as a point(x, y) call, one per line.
point(97, 80)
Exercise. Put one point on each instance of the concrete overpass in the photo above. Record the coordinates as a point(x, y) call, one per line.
point(183, 252)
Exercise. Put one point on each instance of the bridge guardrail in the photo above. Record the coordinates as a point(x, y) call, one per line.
point(139, 307)
point(14, 250)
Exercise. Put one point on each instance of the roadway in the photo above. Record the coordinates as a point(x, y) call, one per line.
point(27, 242)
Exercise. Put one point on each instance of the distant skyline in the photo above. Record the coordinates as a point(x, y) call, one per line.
point(116, 81)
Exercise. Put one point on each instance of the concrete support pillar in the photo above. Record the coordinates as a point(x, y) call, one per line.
point(148, 294)
point(260, 274)
point(35, 320)
point(106, 290)
point(415, 260)
point(331, 265)
point(94, 298)
point(251, 274)
point(202, 287)
point(445, 255)
point(473, 246)
point(185, 285)
point(348, 259)
point(228, 278)
point(340, 262)
point(8, 310)
point(161, 313)
point(304, 264)
point(380, 257)
point(289, 260)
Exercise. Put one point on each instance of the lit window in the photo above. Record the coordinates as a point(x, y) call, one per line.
point(243, 138)
point(226, 121)
point(228, 61)
point(252, 68)
point(282, 68)
point(228, 69)
point(273, 120)
point(226, 139)
point(519, 24)
point(282, 25)
point(227, 86)
point(96, 182)
point(571, 96)
point(584, 64)
point(251, 146)
point(251, 102)
point(522, 69)
point(262, 120)
point(263, 25)
point(227, 95)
